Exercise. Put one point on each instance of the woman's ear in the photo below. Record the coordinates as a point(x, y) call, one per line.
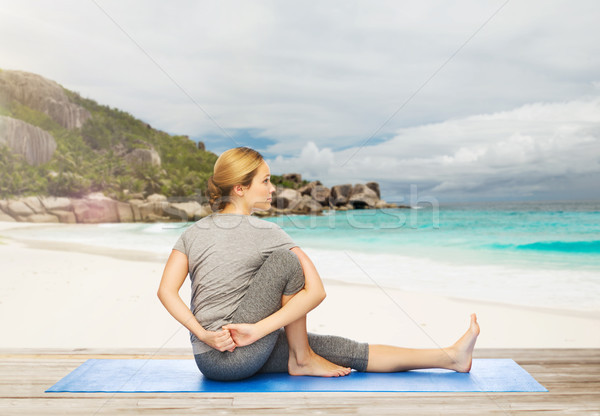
point(239, 190)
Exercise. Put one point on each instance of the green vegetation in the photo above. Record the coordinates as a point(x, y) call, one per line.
point(91, 158)
point(17, 177)
point(278, 180)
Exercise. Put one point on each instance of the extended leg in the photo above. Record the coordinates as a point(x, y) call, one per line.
point(458, 357)
point(379, 358)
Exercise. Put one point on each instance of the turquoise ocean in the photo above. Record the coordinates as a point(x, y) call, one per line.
point(540, 254)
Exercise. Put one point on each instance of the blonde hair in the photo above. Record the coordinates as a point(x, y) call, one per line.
point(236, 166)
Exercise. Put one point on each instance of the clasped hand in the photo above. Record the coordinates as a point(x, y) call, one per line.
point(219, 340)
point(232, 336)
point(243, 334)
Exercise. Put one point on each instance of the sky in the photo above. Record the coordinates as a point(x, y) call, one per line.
point(455, 101)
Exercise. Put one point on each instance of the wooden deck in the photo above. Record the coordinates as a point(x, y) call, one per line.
point(572, 377)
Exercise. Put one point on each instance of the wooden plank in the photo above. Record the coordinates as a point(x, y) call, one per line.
point(572, 376)
point(129, 352)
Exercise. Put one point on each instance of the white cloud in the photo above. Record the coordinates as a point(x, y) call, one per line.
point(312, 162)
point(317, 79)
point(327, 72)
point(512, 153)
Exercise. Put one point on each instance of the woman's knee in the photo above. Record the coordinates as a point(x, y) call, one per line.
point(289, 268)
point(284, 255)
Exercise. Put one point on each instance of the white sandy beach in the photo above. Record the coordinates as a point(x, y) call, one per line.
point(65, 296)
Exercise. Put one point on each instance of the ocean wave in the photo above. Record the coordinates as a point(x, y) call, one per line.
point(585, 247)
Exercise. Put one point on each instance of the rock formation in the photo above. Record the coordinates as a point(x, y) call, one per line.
point(340, 195)
point(362, 197)
point(375, 187)
point(42, 95)
point(307, 189)
point(292, 177)
point(313, 198)
point(321, 194)
point(143, 157)
point(35, 144)
point(96, 208)
point(285, 198)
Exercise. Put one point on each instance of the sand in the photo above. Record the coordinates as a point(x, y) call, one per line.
point(65, 296)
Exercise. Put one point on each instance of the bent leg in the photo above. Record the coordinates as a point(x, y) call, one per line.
point(278, 280)
point(280, 274)
point(303, 360)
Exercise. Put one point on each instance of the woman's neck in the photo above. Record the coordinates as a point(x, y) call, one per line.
point(232, 209)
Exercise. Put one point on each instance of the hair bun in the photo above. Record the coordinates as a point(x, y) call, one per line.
point(214, 194)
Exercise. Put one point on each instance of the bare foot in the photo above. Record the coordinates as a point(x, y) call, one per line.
point(462, 350)
point(315, 365)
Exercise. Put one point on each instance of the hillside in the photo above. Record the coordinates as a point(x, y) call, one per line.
point(55, 142)
point(65, 158)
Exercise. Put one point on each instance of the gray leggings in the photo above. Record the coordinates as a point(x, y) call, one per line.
point(281, 274)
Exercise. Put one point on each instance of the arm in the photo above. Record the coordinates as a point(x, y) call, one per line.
point(297, 306)
point(174, 275)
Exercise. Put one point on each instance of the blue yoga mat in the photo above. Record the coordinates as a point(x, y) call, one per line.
point(138, 375)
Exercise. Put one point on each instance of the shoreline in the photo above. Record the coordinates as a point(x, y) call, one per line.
point(146, 256)
point(524, 308)
point(58, 297)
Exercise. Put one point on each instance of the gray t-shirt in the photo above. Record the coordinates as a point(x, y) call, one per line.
point(224, 253)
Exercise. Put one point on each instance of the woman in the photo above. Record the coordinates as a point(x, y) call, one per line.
point(252, 288)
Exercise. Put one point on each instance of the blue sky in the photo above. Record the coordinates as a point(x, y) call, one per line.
point(467, 100)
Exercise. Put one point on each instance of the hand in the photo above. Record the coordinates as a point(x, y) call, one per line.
point(243, 334)
point(219, 340)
